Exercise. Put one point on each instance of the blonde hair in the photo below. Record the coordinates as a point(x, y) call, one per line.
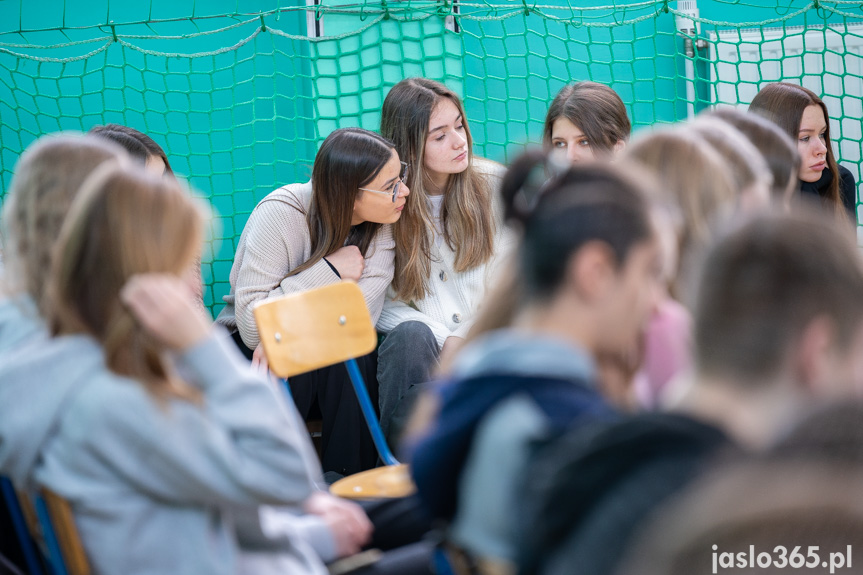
point(467, 221)
point(123, 222)
point(692, 174)
point(695, 178)
point(47, 177)
point(749, 169)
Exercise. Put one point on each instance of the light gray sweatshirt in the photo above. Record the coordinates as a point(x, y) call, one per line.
point(19, 322)
point(171, 487)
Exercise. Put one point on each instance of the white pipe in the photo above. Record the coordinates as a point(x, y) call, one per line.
point(689, 71)
point(688, 28)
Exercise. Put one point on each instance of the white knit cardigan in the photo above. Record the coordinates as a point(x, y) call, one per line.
point(453, 299)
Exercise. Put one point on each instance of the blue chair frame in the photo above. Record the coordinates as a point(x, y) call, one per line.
point(369, 413)
point(19, 524)
point(49, 535)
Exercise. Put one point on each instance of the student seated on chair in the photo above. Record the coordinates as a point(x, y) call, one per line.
point(143, 149)
point(448, 242)
point(146, 419)
point(778, 332)
point(33, 212)
point(589, 271)
point(335, 227)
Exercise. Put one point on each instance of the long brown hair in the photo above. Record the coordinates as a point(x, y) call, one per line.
point(746, 164)
point(783, 103)
point(596, 109)
point(692, 174)
point(122, 223)
point(349, 159)
point(47, 177)
point(466, 215)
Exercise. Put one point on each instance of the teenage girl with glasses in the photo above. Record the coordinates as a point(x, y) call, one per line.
point(302, 236)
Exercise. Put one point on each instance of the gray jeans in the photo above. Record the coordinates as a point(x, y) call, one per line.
point(406, 359)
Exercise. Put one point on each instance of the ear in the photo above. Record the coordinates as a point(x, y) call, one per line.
point(814, 355)
point(619, 147)
point(591, 270)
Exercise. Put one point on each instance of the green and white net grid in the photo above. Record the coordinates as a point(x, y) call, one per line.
point(241, 93)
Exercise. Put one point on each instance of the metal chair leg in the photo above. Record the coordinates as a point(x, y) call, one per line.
point(369, 413)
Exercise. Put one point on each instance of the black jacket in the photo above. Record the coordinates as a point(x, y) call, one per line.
point(847, 189)
point(590, 490)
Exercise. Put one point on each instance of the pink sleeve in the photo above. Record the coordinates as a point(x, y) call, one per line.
point(668, 342)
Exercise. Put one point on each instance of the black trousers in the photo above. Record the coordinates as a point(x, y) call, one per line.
point(327, 394)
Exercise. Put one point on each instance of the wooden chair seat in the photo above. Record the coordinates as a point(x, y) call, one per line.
point(390, 481)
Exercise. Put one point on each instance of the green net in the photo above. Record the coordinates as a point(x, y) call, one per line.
point(241, 93)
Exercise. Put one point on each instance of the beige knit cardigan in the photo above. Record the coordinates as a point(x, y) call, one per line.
point(274, 242)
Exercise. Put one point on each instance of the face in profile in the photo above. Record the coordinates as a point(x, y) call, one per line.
point(634, 294)
point(446, 149)
point(812, 143)
point(383, 199)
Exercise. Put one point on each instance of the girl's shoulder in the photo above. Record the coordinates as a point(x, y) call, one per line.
point(289, 203)
point(488, 168)
point(298, 195)
point(846, 175)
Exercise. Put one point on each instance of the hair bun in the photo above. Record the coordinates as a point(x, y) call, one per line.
point(525, 182)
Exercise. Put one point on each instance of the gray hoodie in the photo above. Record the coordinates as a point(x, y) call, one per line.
point(168, 487)
point(485, 524)
point(19, 322)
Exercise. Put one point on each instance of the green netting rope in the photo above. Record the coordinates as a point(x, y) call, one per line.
point(241, 99)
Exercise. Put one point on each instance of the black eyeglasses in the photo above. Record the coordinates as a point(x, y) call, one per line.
point(395, 193)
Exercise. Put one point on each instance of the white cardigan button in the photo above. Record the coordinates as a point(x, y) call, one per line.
point(443, 276)
point(456, 317)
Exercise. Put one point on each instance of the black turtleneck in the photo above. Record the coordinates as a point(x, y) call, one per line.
point(847, 189)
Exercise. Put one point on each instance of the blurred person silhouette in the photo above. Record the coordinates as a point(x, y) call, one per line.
point(757, 517)
point(47, 176)
point(778, 150)
point(778, 330)
point(589, 272)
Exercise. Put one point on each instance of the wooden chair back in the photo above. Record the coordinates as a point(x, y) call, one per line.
point(309, 330)
point(326, 326)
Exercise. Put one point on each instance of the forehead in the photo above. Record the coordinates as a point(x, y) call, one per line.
point(444, 113)
point(813, 118)
point(563, 127)
point(390, 170)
